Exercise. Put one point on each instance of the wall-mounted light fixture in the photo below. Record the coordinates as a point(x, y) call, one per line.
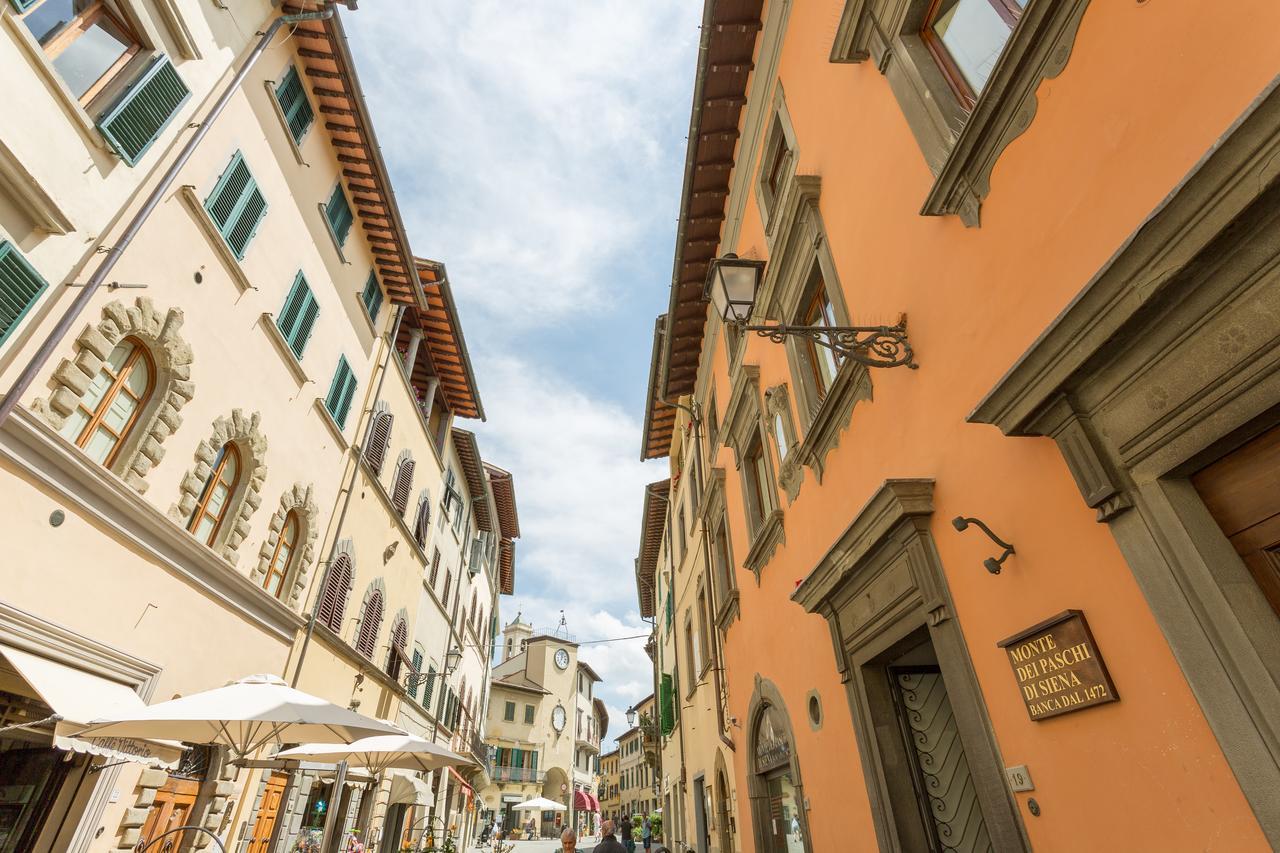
point(992, 564)
point(733, 284)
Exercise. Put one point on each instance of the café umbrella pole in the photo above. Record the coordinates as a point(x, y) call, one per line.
point(335, 804)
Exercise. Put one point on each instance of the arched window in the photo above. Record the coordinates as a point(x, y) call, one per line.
point(399, 641)
point(472, 618)
point(333, 598)
point(422, 523)
point(215, 498)
point(402, 485)
point(111, 405)
point(370, 622)
point(375, 449)
point(278, 568)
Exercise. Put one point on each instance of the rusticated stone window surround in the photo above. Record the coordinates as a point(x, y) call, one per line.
point(780, 137)
point(744, 420)
point(961, 147)
point(245, 432)
point(380, 586)
point(777, 405)
point(161, 333)
point(715, 522)
point(299, 500)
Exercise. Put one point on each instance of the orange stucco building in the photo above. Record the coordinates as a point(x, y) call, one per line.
point(1073, 204)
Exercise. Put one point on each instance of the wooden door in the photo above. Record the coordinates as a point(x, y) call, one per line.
point(171, 809)
point(1242, 492)
point(272, 795)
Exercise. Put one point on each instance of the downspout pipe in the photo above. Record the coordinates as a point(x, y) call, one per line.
point(77, 306)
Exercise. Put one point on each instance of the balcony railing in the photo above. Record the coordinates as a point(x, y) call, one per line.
point(517, 774)
point(479, 749)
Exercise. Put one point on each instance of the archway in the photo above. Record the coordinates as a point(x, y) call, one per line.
point(779, 822)
point(555, 786)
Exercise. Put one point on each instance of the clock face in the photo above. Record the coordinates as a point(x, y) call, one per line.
point(562, 659)
point(557, 718)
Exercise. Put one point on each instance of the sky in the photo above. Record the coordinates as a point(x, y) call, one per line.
point(537, 149)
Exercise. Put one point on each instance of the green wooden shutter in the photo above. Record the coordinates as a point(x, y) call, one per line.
point(667, 705)
point(236, 205)
point(292, 97)
point(671, 609)
point(136, 118)
point(533, 757)
point(417, 668)
point(517, 758)
point(372, 296)
point(20, 288)
point(342, 389)
point(23, 5)
point(298, 316)
point(431, 685)
point(338, 212)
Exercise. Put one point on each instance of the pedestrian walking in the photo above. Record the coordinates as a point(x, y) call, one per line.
point(625, 832)
point(609, 841)
point(646, 834)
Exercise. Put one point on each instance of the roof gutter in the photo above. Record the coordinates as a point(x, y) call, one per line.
point(695, 127)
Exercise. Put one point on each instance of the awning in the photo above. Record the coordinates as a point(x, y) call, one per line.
point(408, 788)
point(582, 801)
point(78, 697)
point(463, 782)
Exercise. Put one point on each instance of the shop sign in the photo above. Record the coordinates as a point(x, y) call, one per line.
point(1058, 668)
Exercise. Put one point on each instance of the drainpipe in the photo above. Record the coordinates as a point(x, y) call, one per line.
point(346, 502)
point(60, 329)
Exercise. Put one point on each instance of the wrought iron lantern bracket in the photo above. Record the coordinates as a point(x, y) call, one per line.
point(873, 346)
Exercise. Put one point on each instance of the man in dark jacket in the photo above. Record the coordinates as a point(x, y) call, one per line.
point(609, 843)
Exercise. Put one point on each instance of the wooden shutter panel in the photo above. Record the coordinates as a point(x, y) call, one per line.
point(667, 705)
point(375, 450)
point(142, 111)
point(298, 316)
point(417, 668)
point(372, 296)
point(370, 621)
point(435, 568)
point(342, 389)
point(292, 98)
point(422, 525)
point(338, 213)
point(236, 205)
point(333, 598)
point(20, 288)
point(429, 689)
point(402, 486)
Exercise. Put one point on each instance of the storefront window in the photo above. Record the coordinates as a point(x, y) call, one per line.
point(31, 772)
point(782, 819)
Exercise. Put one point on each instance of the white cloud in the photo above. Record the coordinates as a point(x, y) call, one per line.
point(531, 136)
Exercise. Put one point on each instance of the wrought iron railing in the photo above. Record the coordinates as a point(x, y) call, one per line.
point(517, 774)
point(480, 750)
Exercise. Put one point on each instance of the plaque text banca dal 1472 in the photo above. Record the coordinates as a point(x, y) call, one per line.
point(1058, 668)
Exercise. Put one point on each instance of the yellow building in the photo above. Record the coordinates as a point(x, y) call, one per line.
point(610, 798)
point(638, 759)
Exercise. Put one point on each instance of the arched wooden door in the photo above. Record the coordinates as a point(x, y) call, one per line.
point(268, 812)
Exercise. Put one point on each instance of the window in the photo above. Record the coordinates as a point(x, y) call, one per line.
point(680, 527)
point(333, 597)
point(755, 477)
point(422, 522)
point(509, 712)
point(774, 174)
point(337, 212)
point(298, 315)
point(693, 651)
point(88, 42)
point(278, 568)
point(435, 568)
point(823, 361)
point(291, 95)
point(430, 685)
point(375, 448)
point(704, 634)
point(396, 655)
point(415, 682)
point(966, 37)
point(370, 622)
point(111, 405)
point(215, 498)
point(723, 561)
point(780, 436)
point(528, 715)
point(20, 287)
point(402, 485)
point(236, 205)
point(448, 581)
point(342, 389)
point(371, 298)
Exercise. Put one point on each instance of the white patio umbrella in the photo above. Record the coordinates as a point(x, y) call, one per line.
point(244, 716)
point(541, 804)
point(404, 752)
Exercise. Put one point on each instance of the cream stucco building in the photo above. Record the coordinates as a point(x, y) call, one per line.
point(544, 729)
point(197, 484)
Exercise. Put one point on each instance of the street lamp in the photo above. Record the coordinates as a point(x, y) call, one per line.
point(631, 718)
point(733, 283)
point(451, 660)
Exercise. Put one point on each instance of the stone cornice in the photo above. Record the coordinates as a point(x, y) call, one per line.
point(852, 384)
point(45, 458)
point(895, 501)
point(767, 539)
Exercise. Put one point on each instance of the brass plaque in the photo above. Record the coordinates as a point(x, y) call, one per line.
point(1058, 668)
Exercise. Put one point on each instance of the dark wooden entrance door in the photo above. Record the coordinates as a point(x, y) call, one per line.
point(171, 809)
point(1242, 492)
point(272, 795)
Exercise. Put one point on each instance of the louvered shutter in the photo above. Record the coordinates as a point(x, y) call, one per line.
point(429, 689)
point(399, 640)
point(417, 668)
point(375, 451)
point(298, 316)
point(402, 487)
point(338, 212)
point(333, 598)
point(342, 389)
point(136, 119)
point(422, 524)
point(236, 205)
point(367, 641)
point(292, 97)
point(20, 288)
point(667, 704)
point(372, 296)
point(435, 568)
